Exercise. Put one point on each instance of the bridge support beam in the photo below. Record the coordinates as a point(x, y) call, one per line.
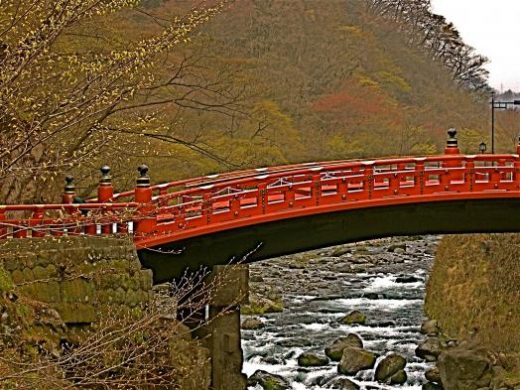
point(230, 288)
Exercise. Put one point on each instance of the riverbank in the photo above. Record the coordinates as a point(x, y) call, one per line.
point(473, 294)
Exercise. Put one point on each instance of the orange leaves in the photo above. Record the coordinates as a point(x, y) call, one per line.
point(361, 100)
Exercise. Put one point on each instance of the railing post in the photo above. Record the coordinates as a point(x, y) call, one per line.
point(262, 197)
point(316, 188)
point(3, 227)
point(452, 148)
point(469, 178)
point(369, 180)
point(105, 188)
point(105, 194)
point(290, 196)
point(419, 168)
point(452, 144)
point(234, 206)
point(343, 188)
point(36, 219)
point(145, 221)
point(517, 166)
point(207, 205)
point(69, 192)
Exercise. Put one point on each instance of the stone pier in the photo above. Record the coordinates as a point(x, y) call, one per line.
point(229, 289)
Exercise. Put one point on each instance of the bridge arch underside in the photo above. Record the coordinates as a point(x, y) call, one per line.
point(322, 230)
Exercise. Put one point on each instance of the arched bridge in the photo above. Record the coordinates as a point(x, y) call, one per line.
point(267, 212)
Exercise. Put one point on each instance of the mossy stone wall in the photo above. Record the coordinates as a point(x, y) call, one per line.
point(473, 290)
point(79, 277)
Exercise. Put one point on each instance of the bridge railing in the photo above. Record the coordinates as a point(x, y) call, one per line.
point(346, 182)
point(182, 208)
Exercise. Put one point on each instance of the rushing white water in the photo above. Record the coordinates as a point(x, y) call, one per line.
point(391, 296)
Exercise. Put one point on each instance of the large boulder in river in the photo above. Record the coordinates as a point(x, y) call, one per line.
point(355, 360)
point(268, 381)
point(462, 369)
point(388, 367)
point(310, 359)
point(252, 323)
point(335, 350)
point(431, 386)
point(430, 328)
point(341, 384)
point(355, 317)
point(429, 349)
point(433, 375)
point(399, 378)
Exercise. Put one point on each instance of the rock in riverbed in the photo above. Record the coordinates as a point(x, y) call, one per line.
point(355, 360)
point(355, 317)
point(252, 323)
point(335, 350)
point(430, 328)
point(341, 384)
point(388, 367)
point(433, 375)
point(310, 359)
point(429, 349)
point(464, 369)
point(268, 381)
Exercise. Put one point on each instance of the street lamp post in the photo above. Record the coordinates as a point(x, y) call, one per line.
point(502, 105)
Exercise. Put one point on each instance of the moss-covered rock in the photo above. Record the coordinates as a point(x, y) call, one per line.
point(268, 381)
point(355, 317)
point(252, 323)
point(262, 306)
point(355, 360)
point(464, 369)
point(334, 351)
point(389, 366)
point(310, 359)
point(399, 378)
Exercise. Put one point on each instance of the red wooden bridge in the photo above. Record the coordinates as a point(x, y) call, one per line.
point(280, 210)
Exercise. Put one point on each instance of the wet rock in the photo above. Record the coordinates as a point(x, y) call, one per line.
point(294, 342)
point(464, 369)
point(260, 305)
point(268, 381)
point(335, 350)
point(341, 384)
point(407, 279)
point(430, 327)
point(399, 378)
point(431, 386)
point(310, 359)
point(355, 317)
point(389, 366)
point(429, 349)
point(397, 248)
point(433, 375)
point(252, 323)
point(340, 252)
point(273, 360)
point(355, 360)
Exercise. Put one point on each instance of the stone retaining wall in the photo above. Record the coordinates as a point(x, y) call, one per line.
point(79, 277)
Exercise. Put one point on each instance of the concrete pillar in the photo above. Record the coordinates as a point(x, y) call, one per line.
point(230, 288)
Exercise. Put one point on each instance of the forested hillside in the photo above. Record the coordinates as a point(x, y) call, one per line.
point(232, 85)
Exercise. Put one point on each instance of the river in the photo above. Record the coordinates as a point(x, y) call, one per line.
point(385, 279)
